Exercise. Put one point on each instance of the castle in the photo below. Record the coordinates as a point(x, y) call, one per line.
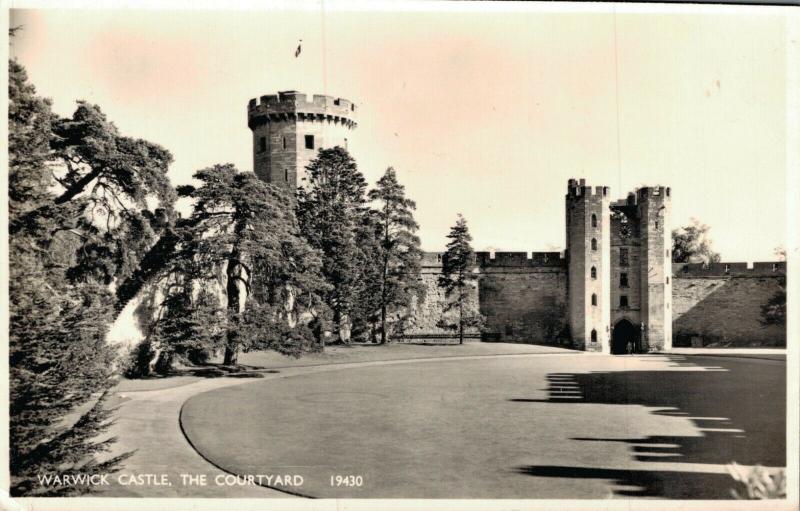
point(614, 286)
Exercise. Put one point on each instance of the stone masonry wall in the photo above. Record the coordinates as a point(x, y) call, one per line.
point(723, 308)
point(522, 298)
point(525, 306)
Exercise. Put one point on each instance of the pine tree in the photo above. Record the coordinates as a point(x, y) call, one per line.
point(400, 255)
point(458, 279)
point(244, 230)
point(58, 314)
point(331, 213)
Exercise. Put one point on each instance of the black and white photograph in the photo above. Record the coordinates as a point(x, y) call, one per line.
point(444, 254)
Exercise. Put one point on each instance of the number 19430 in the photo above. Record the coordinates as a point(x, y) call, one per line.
point(347, 480)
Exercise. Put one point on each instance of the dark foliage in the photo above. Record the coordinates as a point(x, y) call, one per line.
point(458, 279)
point(399, 253)
point(78, 220)
point(335, 220)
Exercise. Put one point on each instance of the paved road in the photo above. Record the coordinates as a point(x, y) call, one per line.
point(546, 426)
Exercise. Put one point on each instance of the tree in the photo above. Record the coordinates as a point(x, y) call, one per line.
point(400, 253)
point(331, 212)
point(459, 278)
point(774, 311)
point(692, 244)
point(58, 314)
point(245, 231)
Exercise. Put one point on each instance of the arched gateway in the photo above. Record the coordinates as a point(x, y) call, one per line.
point(624, 332)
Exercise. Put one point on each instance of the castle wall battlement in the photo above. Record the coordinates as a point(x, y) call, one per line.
point(296, 105)
point(504, 260)
point(738, 269)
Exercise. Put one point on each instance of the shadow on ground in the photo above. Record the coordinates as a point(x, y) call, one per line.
point(749, 430)
point(644, 483)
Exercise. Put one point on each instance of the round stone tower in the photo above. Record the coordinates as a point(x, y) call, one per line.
point(289, 129)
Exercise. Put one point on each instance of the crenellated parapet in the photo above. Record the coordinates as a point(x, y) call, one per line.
point(501, 260)
point(739, 269)
point(292, 105)
point(578, 188)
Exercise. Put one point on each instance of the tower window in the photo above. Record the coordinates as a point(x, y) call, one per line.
point(594, 299)
point(594, 244)
point(284, 142)
point(667, 252)
point(594, 220)
point(667, 280)
point(593, 272)
point(623, 280)
point(594, 335)
point(623, 301)
point(262, 144)
point(623, 257)
point(656, 224)
point(286, 175)
point(309, 141)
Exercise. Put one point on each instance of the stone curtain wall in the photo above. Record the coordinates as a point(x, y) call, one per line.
point(522, 298)
point(720, 305)
point(527, 306)
point(426, 314)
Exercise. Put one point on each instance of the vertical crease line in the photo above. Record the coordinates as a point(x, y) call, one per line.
point(324, 49)
point(616, 97)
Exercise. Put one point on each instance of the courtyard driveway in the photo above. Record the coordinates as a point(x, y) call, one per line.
point(523, 426)
point(147, 418)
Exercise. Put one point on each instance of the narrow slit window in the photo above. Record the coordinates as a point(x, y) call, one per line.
point(286, 175)
point(594, 335)
point(262, 144)
point(594, 220)
point(623, 257)
point(309, 141)
point(623, 280)
point(593, 272)
point(284, 142)
point(594, 299)
point(594, 244)
point(623, 301)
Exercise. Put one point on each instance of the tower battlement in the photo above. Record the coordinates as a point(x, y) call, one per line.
point(577, 188)
point(289, 128)
point(297, 105)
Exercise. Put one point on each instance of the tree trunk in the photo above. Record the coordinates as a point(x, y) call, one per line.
point(236, 301)
point(383, 295)
point(460, 319)
point(383, 323)
point(231, 354)
point(78, 187)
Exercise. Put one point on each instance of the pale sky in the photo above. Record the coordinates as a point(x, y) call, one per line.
point(481, 113)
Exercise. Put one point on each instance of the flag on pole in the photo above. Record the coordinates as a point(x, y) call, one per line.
point(299, 49)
